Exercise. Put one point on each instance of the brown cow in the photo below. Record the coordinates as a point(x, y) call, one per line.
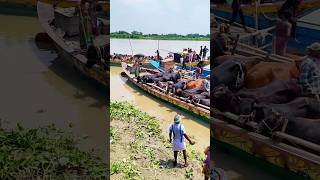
point(198, 83)
point(264, 73)
point(248, 62)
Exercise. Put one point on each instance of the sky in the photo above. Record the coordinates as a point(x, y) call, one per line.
point(160, 16)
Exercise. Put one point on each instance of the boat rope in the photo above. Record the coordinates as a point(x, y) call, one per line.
point(83, 28)
point(131, 47)
point(240, 76)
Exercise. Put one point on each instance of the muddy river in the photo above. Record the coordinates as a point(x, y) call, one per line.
point(37, 88)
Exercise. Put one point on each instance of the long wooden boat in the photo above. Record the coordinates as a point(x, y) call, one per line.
point(263, 10)
point(29, 7)
point(68, 48)
point(145, 63)
point(288, 160)
point(198, 110)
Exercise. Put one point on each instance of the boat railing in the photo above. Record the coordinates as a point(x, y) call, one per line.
point(278, 136)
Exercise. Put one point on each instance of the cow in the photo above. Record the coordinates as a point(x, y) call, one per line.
point(226, 101)
point(230, 73)
point(264, 73)
point(276, 92)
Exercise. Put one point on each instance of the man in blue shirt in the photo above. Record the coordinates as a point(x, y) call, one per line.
point(178, 131)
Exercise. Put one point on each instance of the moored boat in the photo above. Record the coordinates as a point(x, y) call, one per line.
point(196, 109)
point(281, 153)
point(263, 10)
point(68, 48)
point(29, 7)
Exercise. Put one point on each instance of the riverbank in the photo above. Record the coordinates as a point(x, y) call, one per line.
point(46, 153)
point(160, 38)
point(140, 149)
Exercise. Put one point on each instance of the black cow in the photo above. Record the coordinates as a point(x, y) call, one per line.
point(230, 73)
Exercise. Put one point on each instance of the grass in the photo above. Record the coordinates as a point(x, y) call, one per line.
point(114, 136)
point(143, 128)
point(189, 174)
point(46, 153)
point(127, 167)
point(162, 38)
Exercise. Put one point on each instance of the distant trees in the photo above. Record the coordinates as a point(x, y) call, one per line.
point(171, 36)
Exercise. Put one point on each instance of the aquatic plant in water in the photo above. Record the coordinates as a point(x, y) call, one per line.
point(46, 153)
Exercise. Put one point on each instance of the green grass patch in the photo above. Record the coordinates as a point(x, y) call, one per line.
point(127, 167)
point(125, 111)
point(114, 135)
point(46, 153)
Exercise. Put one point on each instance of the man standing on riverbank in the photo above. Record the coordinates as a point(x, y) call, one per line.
point(178, 131)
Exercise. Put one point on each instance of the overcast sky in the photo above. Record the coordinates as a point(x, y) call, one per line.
point(160, 16)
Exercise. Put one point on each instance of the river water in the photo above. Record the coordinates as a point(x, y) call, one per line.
point(149, 47)
point(37, 88)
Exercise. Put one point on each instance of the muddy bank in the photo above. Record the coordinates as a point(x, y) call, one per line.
point(139, 148)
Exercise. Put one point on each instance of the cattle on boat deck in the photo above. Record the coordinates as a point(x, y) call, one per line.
point(248, 62)
point(230, 73)
point(264, 73)
point(276, 92)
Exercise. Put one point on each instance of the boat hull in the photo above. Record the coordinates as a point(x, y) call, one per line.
point(45, 13)
point(29, 7)
point(196, 110)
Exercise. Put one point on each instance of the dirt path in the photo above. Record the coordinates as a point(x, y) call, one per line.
point(139, 148)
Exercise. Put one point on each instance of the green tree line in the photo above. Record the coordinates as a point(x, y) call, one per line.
point(173, 36)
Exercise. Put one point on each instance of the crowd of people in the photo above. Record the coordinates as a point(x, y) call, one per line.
point(190, 55)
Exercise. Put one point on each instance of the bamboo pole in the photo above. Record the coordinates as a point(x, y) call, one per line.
point(83, 28)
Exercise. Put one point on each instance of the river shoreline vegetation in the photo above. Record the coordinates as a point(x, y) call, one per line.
point(140, 35)
point(46, 153)
point(139, 149)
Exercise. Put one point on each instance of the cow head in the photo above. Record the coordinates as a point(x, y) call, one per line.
point(269, 119)
point(221, 97)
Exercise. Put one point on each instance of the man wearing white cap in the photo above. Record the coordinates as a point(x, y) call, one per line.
point(178, 131)
point(309, 77)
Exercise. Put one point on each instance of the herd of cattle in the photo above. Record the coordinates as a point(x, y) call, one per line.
point(268, 93)
point(192, 91)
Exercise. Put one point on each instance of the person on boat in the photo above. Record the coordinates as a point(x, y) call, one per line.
point(291, 7)
point(236, 9)
point(178, 132)
point(92, 56)
point(136, 68)
point(206, 164)
point(158, 55)
point(201, 50)
point(184, 62)
point(85, 27)
point(93, 16)
point(309, 77)
point(197, 72)
point(219, 41)
point(282, 35)
point(204, 52)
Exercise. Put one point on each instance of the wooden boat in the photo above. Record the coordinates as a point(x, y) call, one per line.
point(197, 109)
point(68, 48)
point(29, 7)
point(280, 157)
point(263, 10)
